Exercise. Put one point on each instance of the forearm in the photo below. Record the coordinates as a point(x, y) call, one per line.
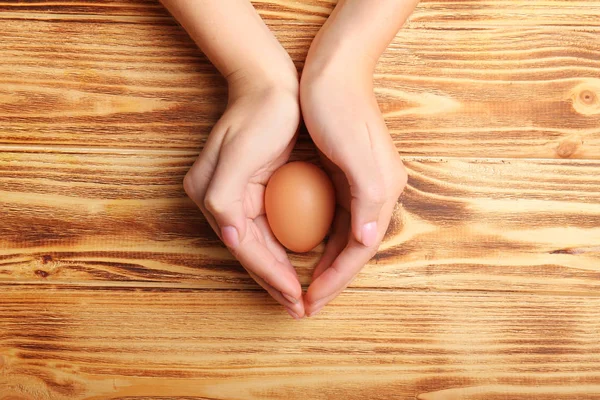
point(359, 31)
point(235, 39)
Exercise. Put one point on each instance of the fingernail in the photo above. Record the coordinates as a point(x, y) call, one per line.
point(230, 236)
point(290, 298)
point(292, 314)
point(369, 234)
point(315, 312)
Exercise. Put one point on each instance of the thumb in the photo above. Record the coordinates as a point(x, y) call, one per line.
point(225, 199)
point(358, 157)
point(368, 195)
point(365, 208)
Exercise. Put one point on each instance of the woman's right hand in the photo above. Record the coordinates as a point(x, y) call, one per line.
point(253, 138)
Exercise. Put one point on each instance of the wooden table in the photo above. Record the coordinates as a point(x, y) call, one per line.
point(487, 286)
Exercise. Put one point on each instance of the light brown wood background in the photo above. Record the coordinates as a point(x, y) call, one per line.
point(487, 286)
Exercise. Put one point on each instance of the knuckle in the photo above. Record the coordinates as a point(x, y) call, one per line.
point(195, 183)
point(375, 193)
point(188, 184)
point(214, 203)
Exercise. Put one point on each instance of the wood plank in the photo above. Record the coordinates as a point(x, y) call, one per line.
point(139, 9)
point(469, 14)
point(105, 84)
point(450, 93)
point(97, 217)
point(457, 14)
point(492, 94)
point(77, 343)
point(429, 13)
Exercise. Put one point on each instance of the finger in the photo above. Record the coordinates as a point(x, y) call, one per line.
point(255, 200)
point(337, 277)
point(225, 194)
point(257, 258)
point(356, 158)
point(345, 267)
point(240, 158)
point(296, 306)
point(297, 309)
point(365, 209)
point(368, 196)
point(338, 239)
point(197, 179)
point(273, 245)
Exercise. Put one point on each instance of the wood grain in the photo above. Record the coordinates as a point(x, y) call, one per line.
point(122, 218)
point(458, 14)
point(77, 343)
point(486, 287)
point(493, 94)
point(444, 93)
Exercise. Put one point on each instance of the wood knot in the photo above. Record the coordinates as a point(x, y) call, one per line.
point(568, 147)
point(42, 274)
point(46, 258)
point(586, 97)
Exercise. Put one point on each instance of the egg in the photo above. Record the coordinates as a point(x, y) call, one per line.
point(300, 204)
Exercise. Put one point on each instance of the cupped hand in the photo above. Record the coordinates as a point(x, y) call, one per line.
point(253, 138)
point(343, 118)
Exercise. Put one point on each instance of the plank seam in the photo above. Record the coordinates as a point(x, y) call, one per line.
point(178, 287)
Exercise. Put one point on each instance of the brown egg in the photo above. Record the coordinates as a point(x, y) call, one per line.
point(300, 203)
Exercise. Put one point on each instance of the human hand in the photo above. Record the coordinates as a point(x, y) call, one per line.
point(253, 138)
point(344, 120)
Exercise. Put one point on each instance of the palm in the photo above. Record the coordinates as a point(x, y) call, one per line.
point(254, 207)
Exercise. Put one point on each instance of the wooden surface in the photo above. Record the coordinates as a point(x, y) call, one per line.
point(487, 285)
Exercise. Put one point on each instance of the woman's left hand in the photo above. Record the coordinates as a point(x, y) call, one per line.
point(344, 121)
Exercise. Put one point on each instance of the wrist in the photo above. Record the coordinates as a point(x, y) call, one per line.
point(281, 76)
point(341, 68)
point(334, 56)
